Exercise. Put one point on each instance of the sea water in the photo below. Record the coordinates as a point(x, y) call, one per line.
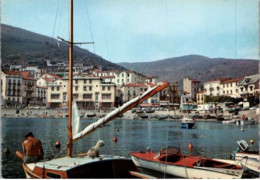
point(210, 139)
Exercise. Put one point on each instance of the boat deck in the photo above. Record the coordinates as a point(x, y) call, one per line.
point(66, 163)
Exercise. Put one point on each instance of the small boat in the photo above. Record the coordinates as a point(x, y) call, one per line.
point(171, 162)
point(242, 152)
point(176, 116)
point(232, 121)
point(162, 116)
point(91, 115)
point(144, 116)
point(187, 122)
point(245, 122)
point(139, 111)
point(149, 111)
point(251, 165)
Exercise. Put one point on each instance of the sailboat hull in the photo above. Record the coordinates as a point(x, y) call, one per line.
point(186, 166)
point(85, 167)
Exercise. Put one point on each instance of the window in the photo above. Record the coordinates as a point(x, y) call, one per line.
point(52, 88)
point(55, 96)
point(76, 81)
point(84, 88)
point(76, 88)
point(230, 91)
point(103, 88)
point(227, 84)
point(251, 88)
point(75, 96)
point(90, 88)
point(58, 88)
point(108, 88)
point(85, 81)
point(241, 89)
point(223, 92)
point(87, 96)
point(106, 96)
point(230, 84)
point(90, 81)
point(227, 92)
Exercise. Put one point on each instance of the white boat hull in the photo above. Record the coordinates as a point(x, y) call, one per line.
point(187, 172)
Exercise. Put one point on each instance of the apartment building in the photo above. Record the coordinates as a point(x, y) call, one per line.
point(213, 87)
point(88, 92)
point(249, 86)
point(200, 99)
point(191, 86)
point(18, 87)
point(12, 88)
point(132, 90)
point(230, 88)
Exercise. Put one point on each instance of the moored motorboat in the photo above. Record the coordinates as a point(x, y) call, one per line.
point(252, 165)
point(144, 116)
point(245, 122)
point(242, 152)
point(187, 122)
point(171, 162)
point(232, 121)
point(162, 116)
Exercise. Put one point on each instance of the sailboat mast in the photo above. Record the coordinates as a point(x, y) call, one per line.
point(70, 94)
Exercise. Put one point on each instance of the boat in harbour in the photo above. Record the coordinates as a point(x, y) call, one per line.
point(187, 122)
point(82, 165)
point(162, 116)
point(172, 162)
point(245, 122)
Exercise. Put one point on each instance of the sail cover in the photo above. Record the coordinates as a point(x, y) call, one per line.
point(125, 107)
point(75, 118)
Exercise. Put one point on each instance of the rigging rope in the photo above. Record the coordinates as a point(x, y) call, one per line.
point(55, 19)
point(90, 26)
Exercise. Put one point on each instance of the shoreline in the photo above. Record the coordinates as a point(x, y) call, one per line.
point(62, 113)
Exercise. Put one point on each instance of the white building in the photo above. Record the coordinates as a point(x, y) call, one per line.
point(191, 86)
point(230, 87)
point(213, 87)
point(249, 86)
point(88, 92)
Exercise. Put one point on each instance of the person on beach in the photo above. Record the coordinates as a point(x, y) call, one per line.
point(32, 147)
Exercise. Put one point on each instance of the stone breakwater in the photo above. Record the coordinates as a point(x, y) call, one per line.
point(63, 113)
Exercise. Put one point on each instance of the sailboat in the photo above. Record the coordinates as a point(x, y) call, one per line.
point(81, 165)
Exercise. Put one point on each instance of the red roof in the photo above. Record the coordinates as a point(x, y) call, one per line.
point(231, 80)
point(151, 84)
point(134, 85)
point(219, 79)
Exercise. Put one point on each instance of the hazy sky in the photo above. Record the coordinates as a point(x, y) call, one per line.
point(146, 30)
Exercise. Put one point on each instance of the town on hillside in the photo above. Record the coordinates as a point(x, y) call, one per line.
point(93, 88)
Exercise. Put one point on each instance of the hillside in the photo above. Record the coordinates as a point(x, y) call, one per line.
point(27, 48)
point(194, 66)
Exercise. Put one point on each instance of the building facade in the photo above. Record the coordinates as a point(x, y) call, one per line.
point(191, 86)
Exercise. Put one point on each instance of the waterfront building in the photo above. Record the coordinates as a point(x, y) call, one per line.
point(88, 92)
point(169, 96)
point(213, 87)
point(12, 88)
point(200, 99)
point(132, 90)
point(152, 79)
point(230, 88)
point(191, 86)
point(249, 86)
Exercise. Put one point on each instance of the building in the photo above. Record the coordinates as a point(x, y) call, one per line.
point(169, 96)
point(213, 87)
point(249, 86)
point(131, 90)
point(18, 88)
point(88, 92)
point(200, 97)
point(230, 88)
point(12, 88)
point(191, 86)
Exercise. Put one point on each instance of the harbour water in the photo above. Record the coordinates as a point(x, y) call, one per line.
point(211, 139)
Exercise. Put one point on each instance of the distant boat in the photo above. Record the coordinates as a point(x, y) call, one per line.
point(232, 121)
point(171, 162)
point(245, 122)
point(91, 115)
point(149, 111)
point(138, 111)
point(187, 122)
point(176, 116)
point(144, 116)
point(163, 116)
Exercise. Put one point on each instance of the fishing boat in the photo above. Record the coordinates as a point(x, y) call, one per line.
point(81, 165)
point(162, 116)
point(171, 162)
point(187, 122)
point(245, 122)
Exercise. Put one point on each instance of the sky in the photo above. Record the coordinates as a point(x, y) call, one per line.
point(145, 30)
